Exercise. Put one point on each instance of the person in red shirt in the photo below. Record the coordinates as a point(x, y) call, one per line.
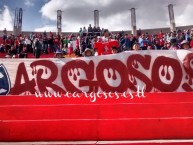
point(162, 42)
point(160, 35)
point(56, 43)
point(16, 43)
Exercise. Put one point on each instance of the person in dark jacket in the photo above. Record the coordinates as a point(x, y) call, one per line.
point(90, 30)
point(45, 45)
point(126, 43)
point(37, 48)
point(133, 40)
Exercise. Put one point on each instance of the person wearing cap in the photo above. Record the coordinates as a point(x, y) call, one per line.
point(88, 52)
point(185, 45)
point(136, 47)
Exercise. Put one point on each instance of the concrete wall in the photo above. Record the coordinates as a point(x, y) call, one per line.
point(150, 31)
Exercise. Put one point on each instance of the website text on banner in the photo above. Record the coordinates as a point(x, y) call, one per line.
point(158, 71)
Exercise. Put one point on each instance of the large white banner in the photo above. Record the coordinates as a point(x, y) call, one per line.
point(157, 71)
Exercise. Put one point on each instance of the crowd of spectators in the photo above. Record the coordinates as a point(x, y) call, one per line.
point(86, 42)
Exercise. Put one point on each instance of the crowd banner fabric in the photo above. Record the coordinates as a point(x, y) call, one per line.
point(134, 95)
point(156, 71)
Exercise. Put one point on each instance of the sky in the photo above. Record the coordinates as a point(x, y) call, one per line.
point(41, 15)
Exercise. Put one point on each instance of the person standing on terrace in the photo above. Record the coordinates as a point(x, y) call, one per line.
point(143, 42)
point(95, 30)
point(45, 44)
point(84, 31)
point(105, 37)
point(180, 36)
point(4, 36)
point(80, 32)
point(160, 35)
point(126, 43)
point(31, 35)
point(172, 36)
point(37, 48)
point(7, 44)
point(28, 45)
point(98, 31)
point(174, 44)
point(187, 35)
point(162, 41)
point(94, 40)
point(90, 30)
point(157, 44)
point(56, 43)
point(65, 42)
point(50, 42)
point(133, 40)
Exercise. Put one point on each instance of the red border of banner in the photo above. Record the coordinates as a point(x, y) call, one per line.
point(158, 116)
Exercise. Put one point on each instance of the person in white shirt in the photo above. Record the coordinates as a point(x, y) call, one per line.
point(28, 44)
point(84, 30)
point(105, 37)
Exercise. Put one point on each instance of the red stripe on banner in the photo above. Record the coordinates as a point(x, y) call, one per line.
point(158, 116)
